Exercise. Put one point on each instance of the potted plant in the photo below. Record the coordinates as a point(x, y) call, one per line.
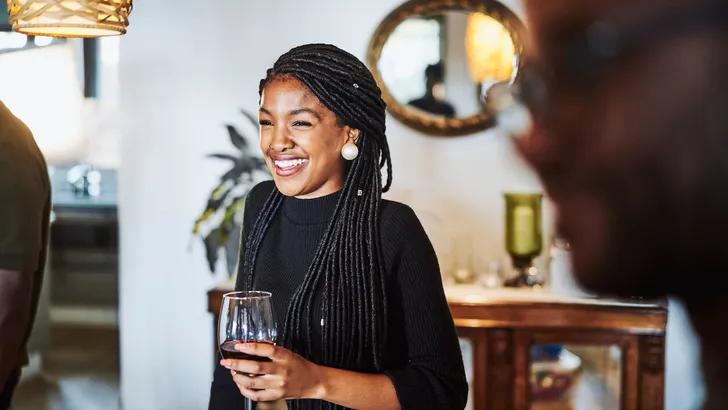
point(219, 224)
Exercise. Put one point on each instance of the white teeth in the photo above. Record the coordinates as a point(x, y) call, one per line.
point(289, 163)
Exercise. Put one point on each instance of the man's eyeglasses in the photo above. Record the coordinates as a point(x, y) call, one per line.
point(583, 58)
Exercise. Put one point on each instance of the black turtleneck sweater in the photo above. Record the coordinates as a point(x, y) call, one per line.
point(422, 354)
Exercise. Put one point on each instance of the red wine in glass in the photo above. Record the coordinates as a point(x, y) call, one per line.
point(246, 317)
point(228, 351)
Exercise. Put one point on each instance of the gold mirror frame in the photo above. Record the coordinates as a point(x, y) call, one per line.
point(440, 126)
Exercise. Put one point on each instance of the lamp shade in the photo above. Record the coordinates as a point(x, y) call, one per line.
point(70, 18)
point(489, 48)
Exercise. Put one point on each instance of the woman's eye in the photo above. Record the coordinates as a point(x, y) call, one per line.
point(265, 122)
point(301, 124)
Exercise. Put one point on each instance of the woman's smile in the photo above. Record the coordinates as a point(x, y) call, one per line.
point(288, 165)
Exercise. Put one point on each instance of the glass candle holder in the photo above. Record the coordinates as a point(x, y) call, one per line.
point(524, 235)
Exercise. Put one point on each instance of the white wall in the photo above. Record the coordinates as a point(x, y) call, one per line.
point(186, 70)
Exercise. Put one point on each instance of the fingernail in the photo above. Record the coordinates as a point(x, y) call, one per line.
point(242, 346)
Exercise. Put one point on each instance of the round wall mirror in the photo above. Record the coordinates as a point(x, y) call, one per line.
point(435, 59)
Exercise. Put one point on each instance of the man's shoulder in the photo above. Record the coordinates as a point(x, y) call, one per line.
point(17, 143)
point(22, 166)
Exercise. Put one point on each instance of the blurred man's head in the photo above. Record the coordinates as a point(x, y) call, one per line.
point(434, 76)
point(632, 140)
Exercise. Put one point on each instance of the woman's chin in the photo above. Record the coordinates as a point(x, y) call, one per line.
point(288, 187)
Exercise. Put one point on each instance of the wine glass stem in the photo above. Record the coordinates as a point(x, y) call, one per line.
point(248, 404)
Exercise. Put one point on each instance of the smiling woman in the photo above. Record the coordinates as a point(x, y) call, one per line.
point(363, 319)
point(302, 139)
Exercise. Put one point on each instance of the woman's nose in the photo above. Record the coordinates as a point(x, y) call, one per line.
point(281, 142)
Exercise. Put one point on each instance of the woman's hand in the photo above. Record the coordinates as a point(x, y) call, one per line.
point(286, 376)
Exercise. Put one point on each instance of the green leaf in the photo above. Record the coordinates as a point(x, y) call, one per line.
point(238, 141)
point(224, 156)
point(212, 245)
point(239, 178)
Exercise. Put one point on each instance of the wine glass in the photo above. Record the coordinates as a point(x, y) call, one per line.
point(246, 317)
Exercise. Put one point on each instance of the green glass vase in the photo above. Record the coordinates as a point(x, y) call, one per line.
point(523, 235)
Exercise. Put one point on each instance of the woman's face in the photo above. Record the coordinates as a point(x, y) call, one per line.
point(301, 140)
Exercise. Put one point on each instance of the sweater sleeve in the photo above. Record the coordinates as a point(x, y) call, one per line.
point(434, 375)
point(224, 394)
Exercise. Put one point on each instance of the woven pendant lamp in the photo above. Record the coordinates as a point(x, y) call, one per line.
point(70, 18)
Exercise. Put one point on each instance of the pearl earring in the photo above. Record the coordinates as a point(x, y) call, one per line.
point(349, 151)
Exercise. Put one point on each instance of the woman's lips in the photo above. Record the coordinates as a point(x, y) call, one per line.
point(289, 166)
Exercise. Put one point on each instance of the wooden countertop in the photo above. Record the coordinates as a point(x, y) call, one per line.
point(475, 307)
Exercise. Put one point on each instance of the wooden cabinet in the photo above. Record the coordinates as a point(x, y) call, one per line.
point(533, 350)
point(606, 354)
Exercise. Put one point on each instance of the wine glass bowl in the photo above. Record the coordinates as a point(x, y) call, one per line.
point(245, 317)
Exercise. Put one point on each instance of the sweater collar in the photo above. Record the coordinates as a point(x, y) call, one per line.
point(311, 211)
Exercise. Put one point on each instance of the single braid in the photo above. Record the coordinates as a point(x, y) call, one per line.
point(347, 271)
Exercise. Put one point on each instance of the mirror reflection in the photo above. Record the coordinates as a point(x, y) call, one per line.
point(574, 377)
point(441, 64)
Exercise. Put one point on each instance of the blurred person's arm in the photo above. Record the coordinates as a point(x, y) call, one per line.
point(15, 289)
point(23, 202)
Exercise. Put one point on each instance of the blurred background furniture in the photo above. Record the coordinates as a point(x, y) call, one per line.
point(537, 350)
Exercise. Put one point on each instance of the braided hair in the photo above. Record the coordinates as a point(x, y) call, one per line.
point(347, 271)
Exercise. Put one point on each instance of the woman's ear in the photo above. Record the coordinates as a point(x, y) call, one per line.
point(352, 136)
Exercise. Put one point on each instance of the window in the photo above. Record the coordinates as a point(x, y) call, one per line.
point(108, 66)
point(10, 41)
point(50, 102)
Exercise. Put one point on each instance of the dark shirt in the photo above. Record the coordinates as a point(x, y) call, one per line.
point(25, 206)
point(422, 353)
point(434, 106)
